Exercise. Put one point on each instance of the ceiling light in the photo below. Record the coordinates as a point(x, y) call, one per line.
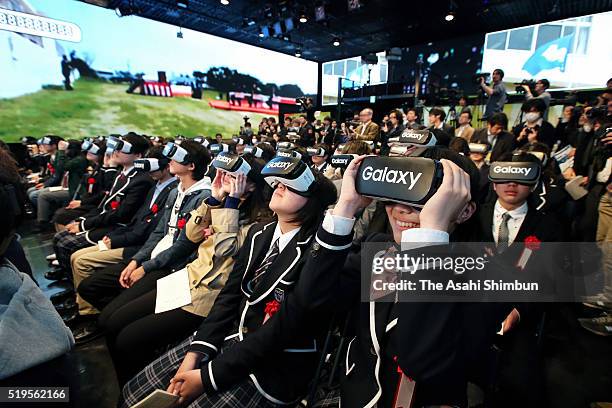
point(298, 52)
point(181, 3)
point(450, 16)
point(225, 2)
point(452, 8)
point(303, 18)
point(336, 42)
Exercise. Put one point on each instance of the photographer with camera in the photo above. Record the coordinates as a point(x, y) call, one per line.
point(496, 92)
point(533, 110)
point(392, 128)
point(540, 91)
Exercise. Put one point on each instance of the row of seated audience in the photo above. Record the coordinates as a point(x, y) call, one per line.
point(267, 264)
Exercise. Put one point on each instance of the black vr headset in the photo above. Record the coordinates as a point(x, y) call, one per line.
point(285, 145)
point(421, 139)
point(231, 163)
point(219, 148)
point(254, 150)
point(313, 151)
point(290, 171)
point(288, 153)
point(526, 173)
point(402, 180)
point(341, 161)
point(119, 145)
point(177, 153)
point(151, 164)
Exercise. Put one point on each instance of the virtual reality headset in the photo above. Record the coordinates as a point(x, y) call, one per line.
point(421, 139)
point(479, 148)
point(177, 153)
point(231, 163)
point(254, 150)
point(47, 140)
point(341, 161)
point(542, 157)
point(285, 145)
point(155, 139)
point(405, 180)
point(86, 145)
point(219, 148)
point(150, 164)
point(290, 171)
point(201, 140)
point(527, 173)
point(119, 145)
point(288, 153)
point(313, 151)
point(238, 140)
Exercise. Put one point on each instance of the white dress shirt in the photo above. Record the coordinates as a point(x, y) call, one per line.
point(283, 239)
point(159, 187)
point(515, 221)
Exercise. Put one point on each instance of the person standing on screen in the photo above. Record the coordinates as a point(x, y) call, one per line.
point(496, 93)
point(66, 70)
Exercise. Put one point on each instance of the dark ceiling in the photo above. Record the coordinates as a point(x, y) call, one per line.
point(376, 26)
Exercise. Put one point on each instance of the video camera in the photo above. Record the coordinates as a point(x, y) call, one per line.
point(529, 82)
point(484, 75)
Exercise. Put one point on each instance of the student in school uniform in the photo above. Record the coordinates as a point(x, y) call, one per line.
point(259, 345)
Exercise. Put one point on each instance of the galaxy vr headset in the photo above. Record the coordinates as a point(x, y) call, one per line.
point(285, 145)
point(255, 151)
point(405, 180)
point(290, 171)
point(341, 161)
point(150, 164)
point(177, 153)
point(231, 163)
point(201, 140)
point(479, 148)
point(313, 151)
point(527, 173)
point(86, 145)
point(421, 139)
point(542, 157)
point(119, 145)
point(219, 148)
point(288, 153)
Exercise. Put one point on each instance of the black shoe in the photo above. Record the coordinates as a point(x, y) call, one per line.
point(61, 297)
point(86, 332)
point(66, 305)
point(56, 275)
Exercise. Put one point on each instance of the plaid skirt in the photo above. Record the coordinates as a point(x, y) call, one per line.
point(157, 375)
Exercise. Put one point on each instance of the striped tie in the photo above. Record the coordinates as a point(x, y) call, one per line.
point(503, 237)
point(265, 264)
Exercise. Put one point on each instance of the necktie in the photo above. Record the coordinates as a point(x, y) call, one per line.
point(503, 235)
point(265, 264)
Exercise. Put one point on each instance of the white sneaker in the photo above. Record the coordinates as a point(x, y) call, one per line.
point(51, 257)
point(55, 262)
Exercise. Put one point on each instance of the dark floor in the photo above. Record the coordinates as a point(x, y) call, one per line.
point(578, 364)
point(96, 386)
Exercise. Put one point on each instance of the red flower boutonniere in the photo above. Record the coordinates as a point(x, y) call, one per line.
point(271, 308)
point(91, 180)
point(180, 224)
point(154, 208)
point(532, 243)
point(114, 205)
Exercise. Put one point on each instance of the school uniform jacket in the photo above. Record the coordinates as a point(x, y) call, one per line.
point(280, 356)
point(102, 179)
point(118, 207)
point(144, 222)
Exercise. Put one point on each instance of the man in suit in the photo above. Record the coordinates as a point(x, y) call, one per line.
point(465, 130)
point(118, 207)
point(507, 222)
point(367, 130)
point(495, 134)
point(443, 131)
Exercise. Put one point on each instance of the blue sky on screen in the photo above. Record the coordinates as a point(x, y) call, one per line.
point(143, 45)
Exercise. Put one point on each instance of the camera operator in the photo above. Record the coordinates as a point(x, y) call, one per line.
point(367, 130)
point(497, 93)
point(532, 113)
point(392, 128)
point(541, 92)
